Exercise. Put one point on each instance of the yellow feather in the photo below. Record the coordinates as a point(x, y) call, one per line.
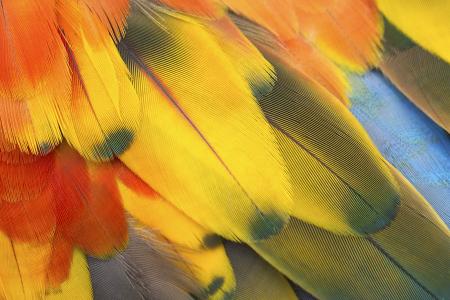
point(212, 269)
point(23, 269)
point(163, 217)
point(247, 60)
point(78, 285)
point(425, 22)
point(423, 77)
point(207, 261)
point(408, 259)
point(105, 111)
point(339, 178)
point(204, 144)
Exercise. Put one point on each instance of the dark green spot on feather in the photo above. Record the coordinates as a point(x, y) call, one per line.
point(215, 285)
point(266, 225)
point(115, 144)
point(45, 148)
point(211, 241)
point(229, 295)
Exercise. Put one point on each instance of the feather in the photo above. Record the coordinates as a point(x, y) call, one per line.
point(421, 76)
point(153, 211)
point(204, 8)
point(425, 22)
point(349, 31)
point(147, 269)
point(201, 250)
point(104, 114)
point(89, 211)
point(255, 278)
point(71, 83)
point(23, 269)
point(340, 181)
point(408, 139)
point(26, 197)
point(247, 60)
point(301, 55)
point(221, 148)
point(49, 205)
point(34, 75)
point(384, 259)
point(212, 269)
point(206, 126)
point(112, 14)
point(277, 16)
point(78, 283)
point(387, 264)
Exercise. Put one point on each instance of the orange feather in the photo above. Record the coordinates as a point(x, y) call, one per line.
point(204, 8)
point(112, 14)
point(347, 31)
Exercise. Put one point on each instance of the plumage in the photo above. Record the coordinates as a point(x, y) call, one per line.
point(64, 203)
point(202, 251)
point(78, 283)
point(255, 278)
point(381, 261)
point(348, 31)
point(34, 75)
point(206, 149)
point(425, 22)
point(98, 122)
point(410, 141)
point(145, 270)
point(204, 8)
point(419, 74)
point(303, 56)
point(317, 135)
point(180, 115)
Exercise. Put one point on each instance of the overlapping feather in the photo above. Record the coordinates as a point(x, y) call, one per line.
point(202, 144)
point(421, 76)
point(147, 269)
point(218, 133)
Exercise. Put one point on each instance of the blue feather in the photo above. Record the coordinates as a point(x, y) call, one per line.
point(408, 139)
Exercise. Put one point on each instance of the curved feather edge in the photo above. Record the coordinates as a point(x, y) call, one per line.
point(425, 22)
point(386, 264)
point(423, 77)
point(202, 252)
point(222, 150)
point(255, 278)
point(406, 137)
point(147, 269)
point(340, 181)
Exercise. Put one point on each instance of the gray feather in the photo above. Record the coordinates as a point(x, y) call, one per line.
point(149, 268)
